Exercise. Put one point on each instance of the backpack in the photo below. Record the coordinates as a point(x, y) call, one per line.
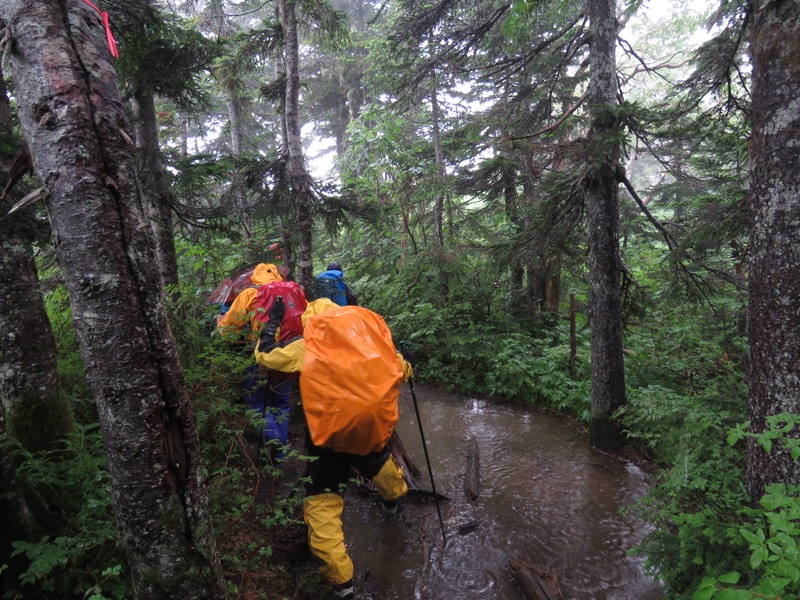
point(330, 285)
point(350, 381)
point(295, 300)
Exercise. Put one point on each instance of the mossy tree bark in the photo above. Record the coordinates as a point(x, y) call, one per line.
point(774, 321)
point(608, 369)
point(73, 121)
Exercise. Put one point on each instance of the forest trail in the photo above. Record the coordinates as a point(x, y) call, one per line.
point(544, 498)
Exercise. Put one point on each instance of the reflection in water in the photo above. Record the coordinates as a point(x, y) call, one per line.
point(546, 498)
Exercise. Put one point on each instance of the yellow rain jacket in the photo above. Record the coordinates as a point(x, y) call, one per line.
point(243, 310)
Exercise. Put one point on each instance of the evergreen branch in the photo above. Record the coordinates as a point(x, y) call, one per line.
point(672, 243)
point(378, 13)
point(645, 68)
point(248, 12)
point(555, 125)
point(668, 237)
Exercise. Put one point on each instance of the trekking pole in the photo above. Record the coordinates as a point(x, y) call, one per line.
point(428, 461)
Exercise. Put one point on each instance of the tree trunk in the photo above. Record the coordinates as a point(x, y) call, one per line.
point(155, 182)
point(237, 122)
point(774, 230)
point(72, 119)
point(552, 286)
point(511, 206)
point(16, 373)
point(350, 93)
point(279, 72)
point(36, 413)
point(300, 181)
point(608, 369)
point(16, 522)
point(438, 208)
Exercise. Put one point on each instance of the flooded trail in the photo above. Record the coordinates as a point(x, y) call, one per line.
point(545, 498)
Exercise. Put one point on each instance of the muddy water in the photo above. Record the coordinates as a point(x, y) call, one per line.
point(545, 498)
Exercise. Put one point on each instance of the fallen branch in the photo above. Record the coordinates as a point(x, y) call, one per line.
point(534, 582)
point(472, 478)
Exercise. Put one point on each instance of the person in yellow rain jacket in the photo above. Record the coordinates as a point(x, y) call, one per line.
point(329, 473)
point(269, 395)
point(240, 318)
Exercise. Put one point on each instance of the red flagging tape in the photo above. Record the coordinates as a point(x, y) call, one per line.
point(112, 45)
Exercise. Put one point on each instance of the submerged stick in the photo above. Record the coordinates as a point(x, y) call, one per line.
point(472, 479)
point(534, 582)
point(404, 460)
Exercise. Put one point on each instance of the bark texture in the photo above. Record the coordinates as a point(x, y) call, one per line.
point(608, 370)
point(36, 414)
point(73, 121)
point(300, 180)
point(155, 182)
point(16, 522)
point(774, 236)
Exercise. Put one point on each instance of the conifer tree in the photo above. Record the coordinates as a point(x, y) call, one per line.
point(775, 229)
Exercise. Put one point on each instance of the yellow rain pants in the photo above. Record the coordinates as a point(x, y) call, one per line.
point(323, 515)
point(389, 481)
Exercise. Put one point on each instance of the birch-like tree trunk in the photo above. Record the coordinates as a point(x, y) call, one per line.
point(73, 121)
point(16, 522)
point(774, 237)
point(300, 180)
point(155, 182)
point(608, 369)
point(36, 413)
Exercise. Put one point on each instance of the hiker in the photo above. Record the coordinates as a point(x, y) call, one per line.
point(267, 393)
point(333, 379)
point(239, 318)
point(331, 285)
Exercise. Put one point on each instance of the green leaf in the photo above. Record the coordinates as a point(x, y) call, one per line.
point(774, 585)
point(731, 578)
point(758, 557)
point(706, 590)
point(749, 536)
point(735, 595)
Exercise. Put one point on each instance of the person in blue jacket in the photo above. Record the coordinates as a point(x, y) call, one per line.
point(330, 284)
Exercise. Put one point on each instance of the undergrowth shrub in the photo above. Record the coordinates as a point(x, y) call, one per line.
point(241, 481)
point(685, 393)
point(698, 490)
point(770, 532)
point(495, 358)
point(68, 491)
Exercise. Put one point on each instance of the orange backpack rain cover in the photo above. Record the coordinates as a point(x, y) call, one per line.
point(350, 383)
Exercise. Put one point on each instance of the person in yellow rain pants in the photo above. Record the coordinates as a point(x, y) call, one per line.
point(345, 359)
